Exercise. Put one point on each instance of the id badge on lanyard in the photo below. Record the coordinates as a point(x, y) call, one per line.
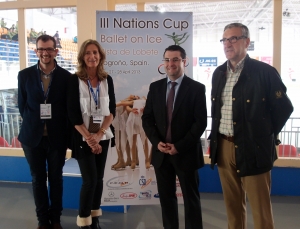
point(45, 109)
point(97, 117)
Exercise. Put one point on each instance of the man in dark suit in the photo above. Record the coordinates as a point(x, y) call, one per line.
point(42, 105)
point(174, 119)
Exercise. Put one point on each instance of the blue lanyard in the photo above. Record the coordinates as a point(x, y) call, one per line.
point(47, 92)
point(93, 93)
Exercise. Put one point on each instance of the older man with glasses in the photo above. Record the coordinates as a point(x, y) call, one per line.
point(249, 109)
point(42, 104)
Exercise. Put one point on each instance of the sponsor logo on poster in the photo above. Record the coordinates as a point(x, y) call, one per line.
point(156, 195)
point(111, 197)
point(128, 195)
point(117, 183)
point(177, 182)
point(144, 182)
point(179, 194)
point(111, 194)
point(146, 195)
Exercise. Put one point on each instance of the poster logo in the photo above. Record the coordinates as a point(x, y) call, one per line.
point(128, 195)
point(111, 197)
point(177, 182)
point(179, 38)
point(111, 194)
point(118, 183)
point(179, 194)
point(143, 182)
point(146, 195)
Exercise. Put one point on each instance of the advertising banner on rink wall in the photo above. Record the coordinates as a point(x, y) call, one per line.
point(134, 44)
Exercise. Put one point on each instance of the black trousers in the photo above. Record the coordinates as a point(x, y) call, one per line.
point(166, 185)
point(92, 171)
point(43, 159)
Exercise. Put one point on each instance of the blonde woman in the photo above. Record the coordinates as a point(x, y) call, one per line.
point(91, 108)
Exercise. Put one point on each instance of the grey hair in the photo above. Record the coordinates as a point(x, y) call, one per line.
point(245, 30)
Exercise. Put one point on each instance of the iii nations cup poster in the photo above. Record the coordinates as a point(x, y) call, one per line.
point(134, 44)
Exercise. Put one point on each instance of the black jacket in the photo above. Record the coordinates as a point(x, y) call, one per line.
point(189, 121)
point(260, 109)
point(30, 96)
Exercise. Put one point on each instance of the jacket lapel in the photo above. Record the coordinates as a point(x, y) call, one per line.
point(162, 95)
point(38, 81)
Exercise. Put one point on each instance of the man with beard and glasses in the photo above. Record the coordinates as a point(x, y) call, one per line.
point(42, 104)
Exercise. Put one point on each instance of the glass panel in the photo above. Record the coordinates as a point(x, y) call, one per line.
point(9, 67)
point(126, 7)
point(290, 73)
point(9, 49)
point(58, 22)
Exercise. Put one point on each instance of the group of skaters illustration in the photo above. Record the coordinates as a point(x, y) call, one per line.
point(128, 125)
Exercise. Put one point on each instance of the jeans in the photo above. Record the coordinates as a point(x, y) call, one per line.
point(43, 159)
point(92, 171)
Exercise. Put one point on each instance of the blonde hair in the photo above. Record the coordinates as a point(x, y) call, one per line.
point(81, 68)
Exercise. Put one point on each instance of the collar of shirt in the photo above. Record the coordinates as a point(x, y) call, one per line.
point(178, 81)
point(238, 67)
point(44, 74)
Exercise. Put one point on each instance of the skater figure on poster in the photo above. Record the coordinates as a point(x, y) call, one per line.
point(133, 128)
point(119, 124)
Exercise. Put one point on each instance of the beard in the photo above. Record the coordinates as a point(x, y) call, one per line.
point(46, 59)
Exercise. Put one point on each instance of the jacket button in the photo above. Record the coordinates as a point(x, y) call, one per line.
point(233, 99)
point(213, 99)
point(238, 171)
point(236, 146)
point(234, 123)
point(248, 101)
point(263, 99)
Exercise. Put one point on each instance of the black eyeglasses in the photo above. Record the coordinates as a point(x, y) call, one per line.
point(232, 39)
point(175, 60)
point(48, 50)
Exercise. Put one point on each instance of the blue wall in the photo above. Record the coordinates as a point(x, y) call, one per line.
point(284, 181)
point(14, 169)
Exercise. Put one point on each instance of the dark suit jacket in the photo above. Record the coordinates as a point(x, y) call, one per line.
point(189, 121)
point(30, 96)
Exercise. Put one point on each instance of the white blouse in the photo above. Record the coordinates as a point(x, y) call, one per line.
point(87, 104)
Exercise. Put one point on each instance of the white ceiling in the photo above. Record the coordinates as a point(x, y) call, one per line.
point(217, 14)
